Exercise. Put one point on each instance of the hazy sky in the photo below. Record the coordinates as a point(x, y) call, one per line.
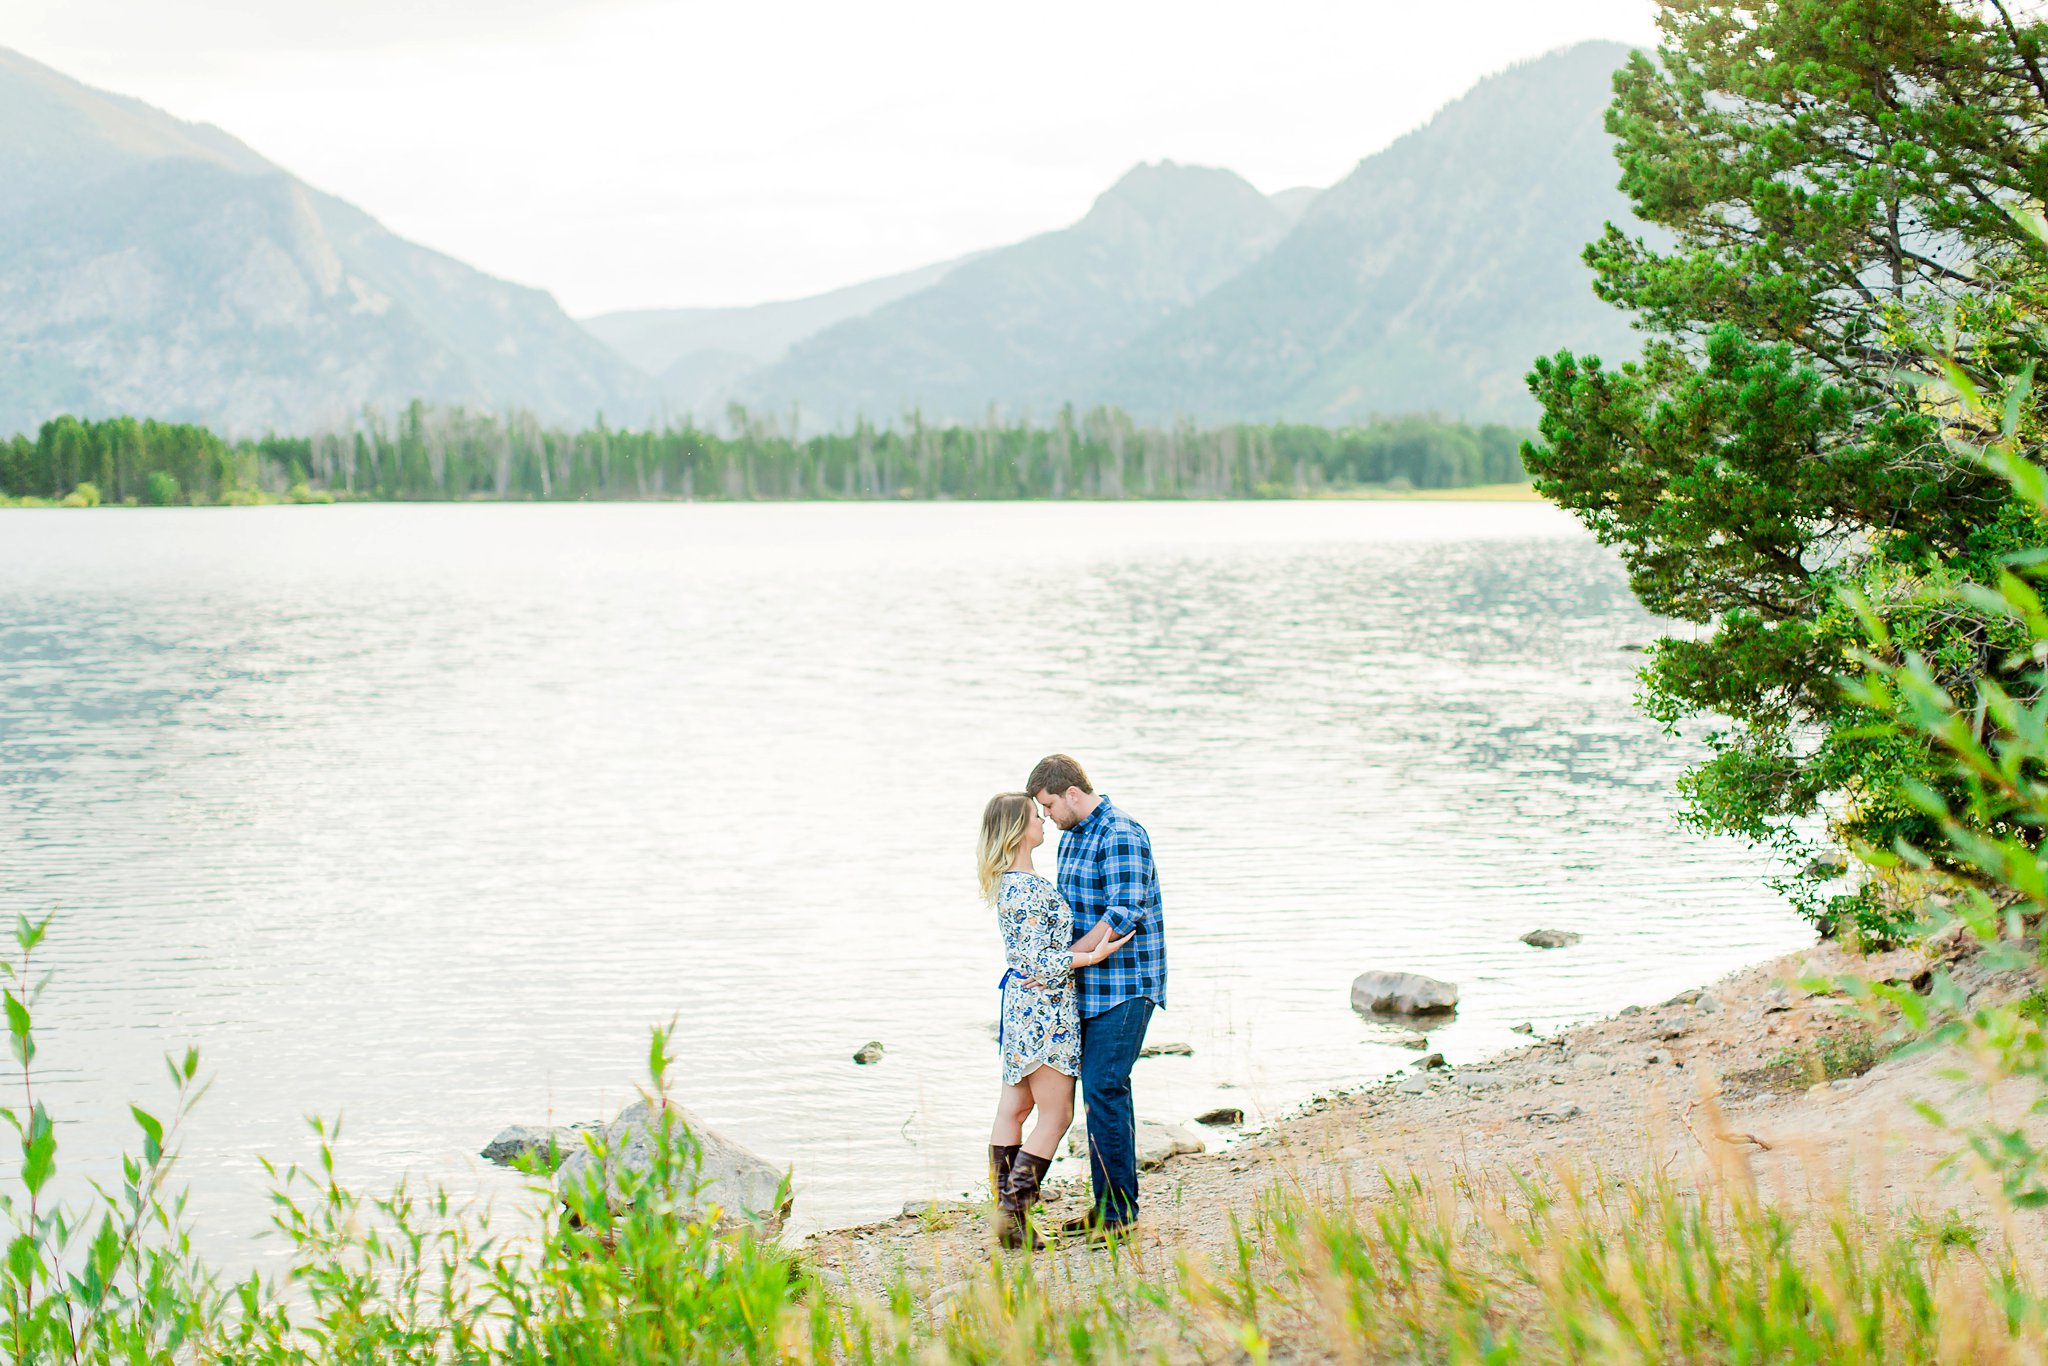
point(639, 153)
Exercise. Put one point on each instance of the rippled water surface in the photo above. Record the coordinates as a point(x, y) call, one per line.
point(422, 815)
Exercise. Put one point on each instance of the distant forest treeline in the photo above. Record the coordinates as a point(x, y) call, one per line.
point(429, 453)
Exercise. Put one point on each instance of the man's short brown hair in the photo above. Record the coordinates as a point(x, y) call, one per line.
point(1055, 773)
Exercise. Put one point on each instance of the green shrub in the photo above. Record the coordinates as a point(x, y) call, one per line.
point(160, 489)
point(84, 496)
point(407, 1277)
point(1990, 740)
point(1848, 1054)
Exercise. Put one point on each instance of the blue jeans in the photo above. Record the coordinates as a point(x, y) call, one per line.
point(1109, 1046)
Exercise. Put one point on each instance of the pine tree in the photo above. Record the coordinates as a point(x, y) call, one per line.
point(1843, 185)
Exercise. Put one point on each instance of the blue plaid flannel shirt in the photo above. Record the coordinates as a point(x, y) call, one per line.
point(1106, 873)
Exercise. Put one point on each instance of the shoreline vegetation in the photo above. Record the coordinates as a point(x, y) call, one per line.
point(430, 454)
point(1766, 1168)
point(1770, 1083)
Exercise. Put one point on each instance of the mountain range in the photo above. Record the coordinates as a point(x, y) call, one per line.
point(1025, 326)
point(156, 266)
point(1427, 279)
point(698, 355)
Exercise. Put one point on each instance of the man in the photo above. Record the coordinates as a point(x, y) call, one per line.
point(1106, 875)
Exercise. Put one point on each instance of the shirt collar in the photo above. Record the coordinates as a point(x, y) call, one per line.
point(1095, 815)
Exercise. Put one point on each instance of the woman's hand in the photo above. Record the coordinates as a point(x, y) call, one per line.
point(1088, 958)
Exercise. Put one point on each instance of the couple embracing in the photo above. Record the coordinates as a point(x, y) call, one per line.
point(1086, 967)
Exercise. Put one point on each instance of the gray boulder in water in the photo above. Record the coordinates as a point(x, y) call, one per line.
point(1551, 939)
point(1402, 993)
point(551, 1146)
point(743, 1186)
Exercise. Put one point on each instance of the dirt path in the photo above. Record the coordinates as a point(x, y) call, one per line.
point(1737, 1068)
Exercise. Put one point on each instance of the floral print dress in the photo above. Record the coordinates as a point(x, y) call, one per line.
point(1041, 1021)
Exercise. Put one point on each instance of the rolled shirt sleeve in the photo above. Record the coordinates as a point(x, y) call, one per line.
point(1127, 873)
point(1108, 877)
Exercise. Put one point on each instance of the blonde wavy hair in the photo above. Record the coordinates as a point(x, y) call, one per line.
point(1002, 830)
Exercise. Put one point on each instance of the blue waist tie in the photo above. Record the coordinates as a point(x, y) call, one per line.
point(1002, 1016)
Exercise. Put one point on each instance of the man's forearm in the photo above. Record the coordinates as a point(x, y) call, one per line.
point(1120, 918)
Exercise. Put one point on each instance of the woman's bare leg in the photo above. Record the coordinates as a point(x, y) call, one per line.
point(1013, 1104)
point(1052, 1091)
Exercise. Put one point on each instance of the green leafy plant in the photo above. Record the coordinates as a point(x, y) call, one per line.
point(629, 1265)
point(112, 1279)
point(1989, 811)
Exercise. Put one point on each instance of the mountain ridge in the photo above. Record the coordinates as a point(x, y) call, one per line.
point(653, 339)
point(125, 132)
point(156, 266)
point(1010, 325)
point(699, 356)
point(1427, 279)
point(1395, 286)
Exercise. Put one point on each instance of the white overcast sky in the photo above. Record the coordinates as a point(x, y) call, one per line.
point(642, 153)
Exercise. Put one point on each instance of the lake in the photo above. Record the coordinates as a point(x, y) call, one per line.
point(422, 815)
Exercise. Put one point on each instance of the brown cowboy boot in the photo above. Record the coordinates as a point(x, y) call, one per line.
point(1020, 1193)
point(1000, 1156)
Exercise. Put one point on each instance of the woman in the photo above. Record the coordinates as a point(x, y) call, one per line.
point(1040, 1035)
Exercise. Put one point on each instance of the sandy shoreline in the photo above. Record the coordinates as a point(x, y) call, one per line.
point(1468, 493)
point(1737, 1066)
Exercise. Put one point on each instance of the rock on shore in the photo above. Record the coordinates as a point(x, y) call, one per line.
point(1158, 1144)
point(1402, 993)
point(744, 1186)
